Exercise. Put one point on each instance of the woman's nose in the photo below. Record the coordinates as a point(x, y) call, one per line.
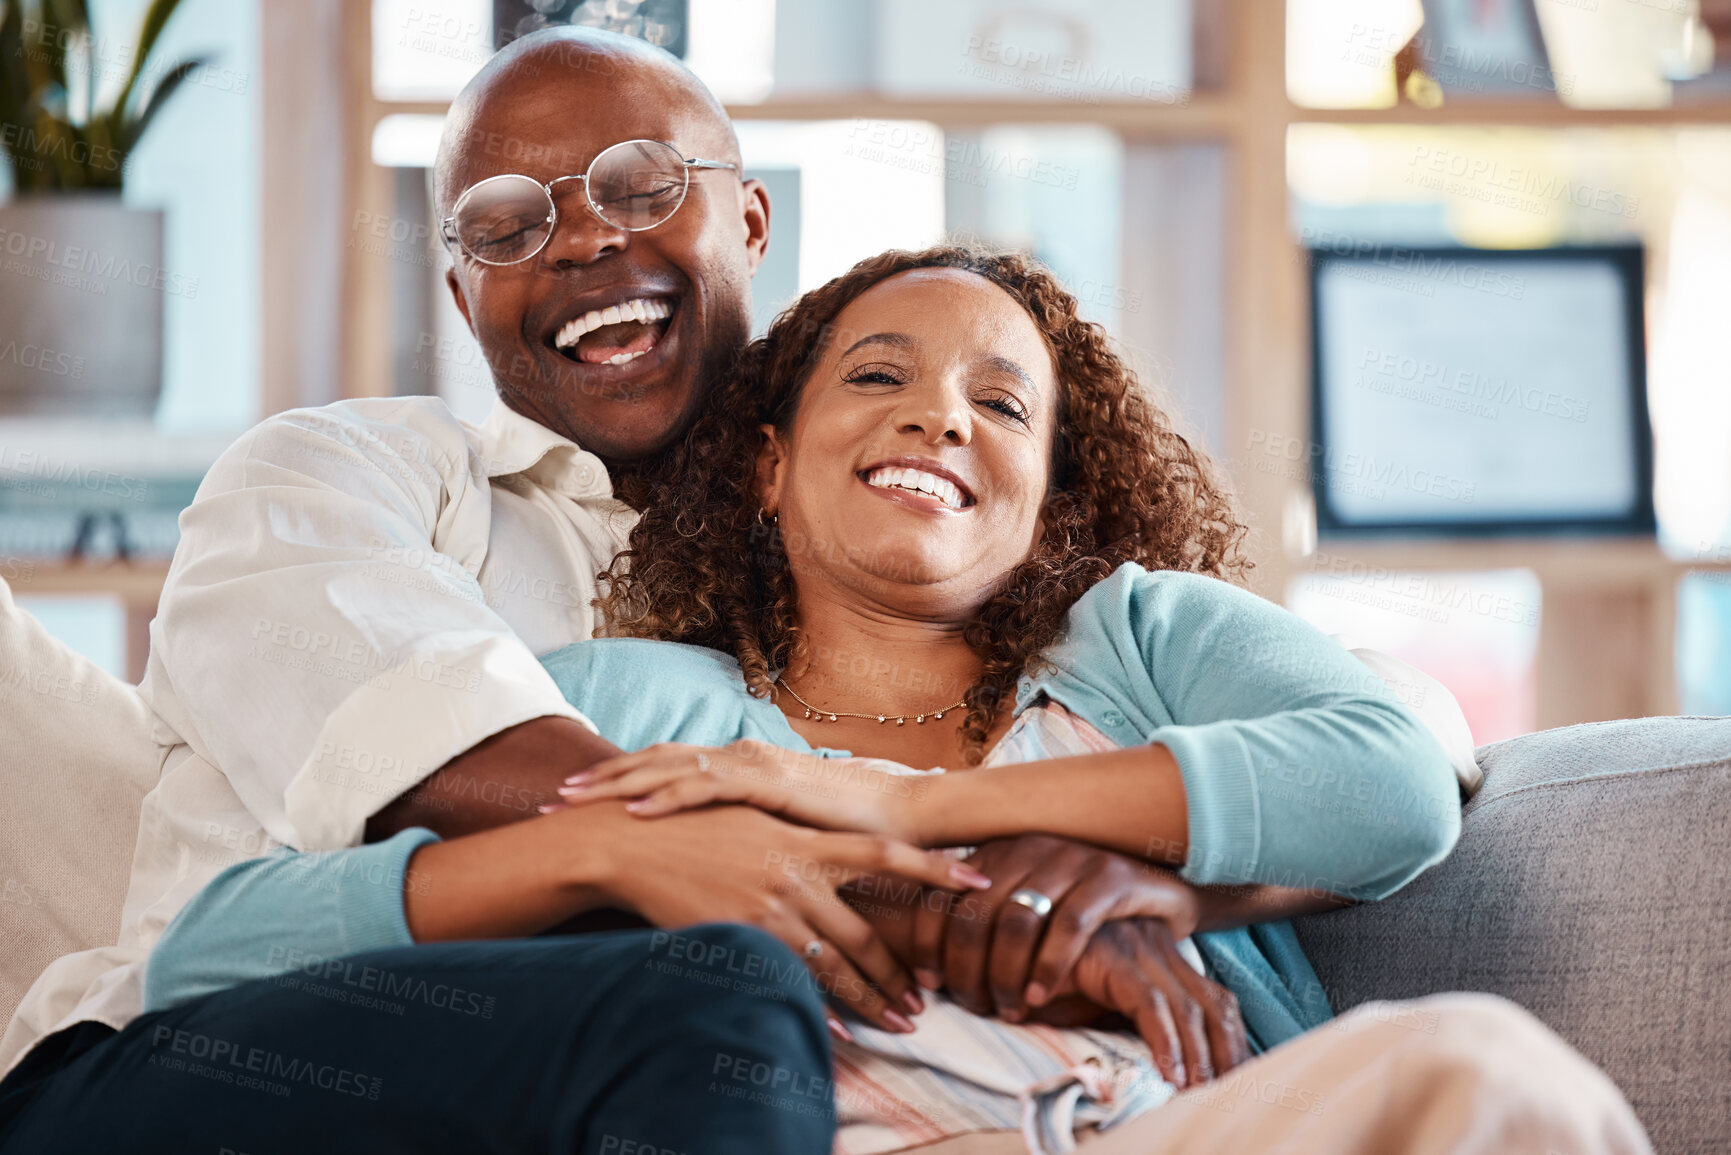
point(937, 419)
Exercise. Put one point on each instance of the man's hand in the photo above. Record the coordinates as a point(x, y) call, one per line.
point(1004, 958)
point(737, 864)
point(1133, 968)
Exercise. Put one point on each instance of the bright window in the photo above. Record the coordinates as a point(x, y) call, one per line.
point(1476, 633)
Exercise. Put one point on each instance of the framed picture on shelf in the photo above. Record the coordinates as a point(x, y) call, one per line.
point(1479, 392)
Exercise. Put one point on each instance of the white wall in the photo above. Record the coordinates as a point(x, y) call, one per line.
point(200, 163)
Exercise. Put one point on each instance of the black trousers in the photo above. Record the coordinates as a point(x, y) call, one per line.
point(710, 1040)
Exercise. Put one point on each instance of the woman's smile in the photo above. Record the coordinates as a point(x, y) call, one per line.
point(919, 483)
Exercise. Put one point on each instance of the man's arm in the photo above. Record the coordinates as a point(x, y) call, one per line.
point(505, 778)
point(986, 950)
point(323, 636)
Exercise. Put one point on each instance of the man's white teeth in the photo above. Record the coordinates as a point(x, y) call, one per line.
point(917, 481)
point(642, 309)
point(621, 358)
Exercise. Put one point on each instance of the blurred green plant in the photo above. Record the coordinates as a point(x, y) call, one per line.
point(53, 143)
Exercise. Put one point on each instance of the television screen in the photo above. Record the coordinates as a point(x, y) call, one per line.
point(1471, 391)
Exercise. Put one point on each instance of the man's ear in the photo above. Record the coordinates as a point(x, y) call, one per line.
point(456, 288)
point(771, 466)
point(756, 208)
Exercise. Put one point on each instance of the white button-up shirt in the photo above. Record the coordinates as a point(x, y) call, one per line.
point(360, 595)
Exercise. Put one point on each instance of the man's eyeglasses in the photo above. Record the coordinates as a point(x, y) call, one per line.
point(633, 185)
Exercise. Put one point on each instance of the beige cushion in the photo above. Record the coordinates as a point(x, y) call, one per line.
point(76, 759)
point(1436, 708)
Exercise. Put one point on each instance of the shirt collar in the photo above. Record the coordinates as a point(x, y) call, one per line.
point(511, 443)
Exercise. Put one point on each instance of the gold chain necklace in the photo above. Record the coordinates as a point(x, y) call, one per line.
point(813, 712)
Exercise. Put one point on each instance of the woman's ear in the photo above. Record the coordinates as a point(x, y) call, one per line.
point(771, 465)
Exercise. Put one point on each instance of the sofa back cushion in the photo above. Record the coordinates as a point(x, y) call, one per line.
point(1592, 885)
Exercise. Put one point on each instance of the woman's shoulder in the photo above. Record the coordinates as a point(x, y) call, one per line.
point(639, 692)
point(1132, 594)
point(1186, 626)
point(644, 661)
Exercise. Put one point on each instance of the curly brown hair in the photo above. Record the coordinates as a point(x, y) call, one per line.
point(704, 569)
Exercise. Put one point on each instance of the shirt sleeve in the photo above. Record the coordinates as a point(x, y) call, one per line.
point(284, 913)
point(322, 637)
point(1301, 767)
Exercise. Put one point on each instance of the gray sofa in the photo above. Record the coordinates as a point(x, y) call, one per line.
point(1592, 885)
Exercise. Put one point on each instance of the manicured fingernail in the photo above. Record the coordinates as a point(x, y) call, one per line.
point(839, 1031)
point(1036, 994)
point(550, 808)
point(899, 1021)
point(927, 979)
point(968, 876)
point(579, 779)
point(912, 1001)
point(571, 791)
point(1011, 1014)
point(640, 804)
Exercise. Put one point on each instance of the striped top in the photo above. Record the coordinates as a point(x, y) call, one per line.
point(961, 1072)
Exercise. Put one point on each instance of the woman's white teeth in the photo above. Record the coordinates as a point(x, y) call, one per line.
point(641, 309)
point(917, 481)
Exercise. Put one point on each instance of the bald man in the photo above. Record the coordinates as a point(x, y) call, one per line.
point(346, 648)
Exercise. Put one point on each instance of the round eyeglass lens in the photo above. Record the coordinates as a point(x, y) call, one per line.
point(637, 184)
point(504, 219)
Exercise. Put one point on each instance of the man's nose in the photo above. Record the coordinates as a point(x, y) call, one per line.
point(579, 236)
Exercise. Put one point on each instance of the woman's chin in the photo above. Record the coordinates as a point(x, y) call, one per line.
point(896, 561)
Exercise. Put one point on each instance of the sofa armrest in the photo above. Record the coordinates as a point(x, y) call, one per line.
point(1591, 885)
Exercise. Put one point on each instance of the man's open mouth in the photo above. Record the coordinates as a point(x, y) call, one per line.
point(616, 334)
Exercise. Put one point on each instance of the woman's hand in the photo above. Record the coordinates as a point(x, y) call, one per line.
point(860, 794)
point(1133, 967)
point(1000, 956)
point(735, 864)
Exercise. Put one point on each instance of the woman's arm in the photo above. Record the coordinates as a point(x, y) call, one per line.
point(291, 911)
point(1129, 800)
point(1255, 751)
point(271, 915)
point(285, 912)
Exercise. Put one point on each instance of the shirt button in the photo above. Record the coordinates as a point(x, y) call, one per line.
point(585, 476)
point(1112, 718)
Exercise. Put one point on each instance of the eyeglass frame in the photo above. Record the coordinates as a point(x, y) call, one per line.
point(448, 225)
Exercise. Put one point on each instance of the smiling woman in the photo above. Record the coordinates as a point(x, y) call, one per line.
point(916, 378)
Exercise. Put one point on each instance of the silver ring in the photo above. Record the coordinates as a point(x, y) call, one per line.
point(813, 949)
point(1034, 901)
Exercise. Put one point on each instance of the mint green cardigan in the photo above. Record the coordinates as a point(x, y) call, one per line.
point(1300, 769)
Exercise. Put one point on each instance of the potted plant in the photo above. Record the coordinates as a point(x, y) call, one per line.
point(82, 280)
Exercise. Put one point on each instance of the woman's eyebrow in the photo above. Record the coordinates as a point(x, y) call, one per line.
point(1005, 365)
point(898, 340)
